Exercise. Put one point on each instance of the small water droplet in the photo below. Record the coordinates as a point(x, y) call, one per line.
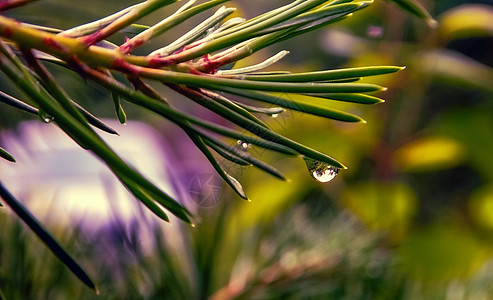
point(242, 145)
point(322, 172)
point(46, 118)
point(274, 115)
point(325, 174)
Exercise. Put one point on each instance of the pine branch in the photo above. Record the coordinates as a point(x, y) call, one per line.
point(193, 66)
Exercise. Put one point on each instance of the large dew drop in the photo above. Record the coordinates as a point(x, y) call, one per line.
point(325, 174)
point(322, 172)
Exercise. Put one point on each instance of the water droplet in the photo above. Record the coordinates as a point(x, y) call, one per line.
point(274, 115)
point(325, 173)
point(322, 172)
point(46, 118)
point(242, 145)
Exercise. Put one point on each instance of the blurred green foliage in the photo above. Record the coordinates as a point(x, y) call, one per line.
point(420, 169)
point(412, 218)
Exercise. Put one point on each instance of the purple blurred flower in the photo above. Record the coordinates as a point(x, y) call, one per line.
point(64, 184)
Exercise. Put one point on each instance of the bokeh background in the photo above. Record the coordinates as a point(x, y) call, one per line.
point(412, 217)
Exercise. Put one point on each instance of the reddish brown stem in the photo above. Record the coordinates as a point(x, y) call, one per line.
point(10, 4)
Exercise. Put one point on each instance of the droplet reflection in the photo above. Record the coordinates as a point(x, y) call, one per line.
point(322, 172)
point(325, 174)
point(46, 118)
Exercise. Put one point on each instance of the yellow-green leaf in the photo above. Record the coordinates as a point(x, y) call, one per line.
point(465, 21)
point(429, 154)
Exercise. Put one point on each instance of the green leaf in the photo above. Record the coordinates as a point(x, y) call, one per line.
point(168, 23)
point(270, 135)
point(134, 29)
point(246, 157)
point(326, 13)
point(272, 146)
point(217, 103)
point(277, 37)
point(226, 154)
point(14, 102)
point(326, 75)
point(344, 80)
point(97, 25)
point(262, 110)
point(228, 104)
point(254, 68)
point(267, 73)
point(195, 32)
point(148, 189)
point(180, 118)
point(5, 155)
point(288, 87)
point(455, 68)
point(429, 153)
point(94, 121)
point(268, 19)
point(247, 30)
point(356, 98)
point(120, 113)
point(335, 2)
point(45, 236)
point(51, 86)
point(466, 21)
point(190, 12)
point(138, 12)
point(415, 8)
point(207, 81)
point(87, 138)
point(230, 180)
point(298, 106)
point(141, 195)
point(258, 19)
